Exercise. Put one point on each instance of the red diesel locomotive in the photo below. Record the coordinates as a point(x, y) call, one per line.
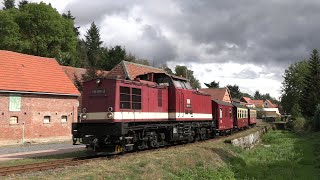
point(154, 110)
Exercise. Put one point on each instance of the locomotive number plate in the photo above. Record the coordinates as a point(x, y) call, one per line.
point(98, 92)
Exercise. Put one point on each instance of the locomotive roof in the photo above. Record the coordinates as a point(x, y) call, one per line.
point(223, 103)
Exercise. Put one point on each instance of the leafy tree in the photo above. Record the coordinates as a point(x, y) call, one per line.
point(8, 4)
point(246, 95)
point(114, 56)
point(93, 43)
point(22, 3)
point(9, 30)
point(292, 86)
point(316, 118)
point(45, 33)
point(311, 91)
point(213, 84)
point(166, 69)
point(257, 95)
point(69, 16)
point(235, 91)
point(81, 59)
point(186, 73)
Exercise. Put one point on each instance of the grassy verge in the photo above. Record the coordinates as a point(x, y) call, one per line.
point(42, 159)
point(280, 155)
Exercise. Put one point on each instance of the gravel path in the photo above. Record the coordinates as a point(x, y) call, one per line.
point(36, 147)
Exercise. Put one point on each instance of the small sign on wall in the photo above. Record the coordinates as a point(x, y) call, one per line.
point(14, 102)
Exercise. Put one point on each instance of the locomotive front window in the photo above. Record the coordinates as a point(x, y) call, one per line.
point(178, 84)
point(124, 97)
point(187, 85)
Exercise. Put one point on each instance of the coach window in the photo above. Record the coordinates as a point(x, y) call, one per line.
point(220, 112)
point(124, 97)
point(136, 98)
point(230, 112)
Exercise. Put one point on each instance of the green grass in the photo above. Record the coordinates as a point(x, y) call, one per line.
point(280, 155)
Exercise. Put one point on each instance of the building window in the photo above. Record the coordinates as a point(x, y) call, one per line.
point(124, 98)
point(46, 119)
point(64, 119)
point(159, 97)
point(14, 102)
point(136, 98)
point(13, 120)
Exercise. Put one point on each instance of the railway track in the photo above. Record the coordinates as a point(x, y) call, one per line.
point(43, 166)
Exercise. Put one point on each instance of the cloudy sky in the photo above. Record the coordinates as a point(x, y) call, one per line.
point(249, 43)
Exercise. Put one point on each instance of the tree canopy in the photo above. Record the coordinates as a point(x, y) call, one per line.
point(186, 73)
point(213, 84)
point(310, 96)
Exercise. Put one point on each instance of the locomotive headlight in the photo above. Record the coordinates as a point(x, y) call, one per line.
point(98, 81)
point(84, 116)
point(110, 109)
point(109, 115)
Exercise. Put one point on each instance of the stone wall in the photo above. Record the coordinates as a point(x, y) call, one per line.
point(250, 140)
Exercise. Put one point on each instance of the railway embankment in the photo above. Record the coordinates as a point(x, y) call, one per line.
point(288, 155)
point(250, 140)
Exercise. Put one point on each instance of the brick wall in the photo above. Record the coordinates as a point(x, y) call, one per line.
point(31, 118)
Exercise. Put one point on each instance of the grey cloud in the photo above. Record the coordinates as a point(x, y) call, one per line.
point(246, 74)
point(272, 33)
point(154, 46)
point(95, 10)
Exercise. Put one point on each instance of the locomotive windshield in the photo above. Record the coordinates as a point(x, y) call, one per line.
point(181, 84)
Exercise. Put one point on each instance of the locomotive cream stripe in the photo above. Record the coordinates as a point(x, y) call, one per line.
point(146, 115)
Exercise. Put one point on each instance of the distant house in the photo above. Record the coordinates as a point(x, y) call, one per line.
point(38, 102)
point(266, 108)
point(221, 94)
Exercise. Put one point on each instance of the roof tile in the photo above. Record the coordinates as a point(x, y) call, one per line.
point(21, 72)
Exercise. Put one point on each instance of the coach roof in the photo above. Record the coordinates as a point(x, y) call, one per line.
point(33, 74)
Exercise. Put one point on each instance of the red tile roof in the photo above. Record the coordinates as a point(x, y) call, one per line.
point(246, 99)
point(129, 70)
point(216, 93)
point(271, 104)
point(73, 72)
point(257, 102)
point(27, 73)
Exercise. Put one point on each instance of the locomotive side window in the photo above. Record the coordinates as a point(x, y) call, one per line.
point(136, 98)
point(124, 97)
point(230, 112)
point(220, 112)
